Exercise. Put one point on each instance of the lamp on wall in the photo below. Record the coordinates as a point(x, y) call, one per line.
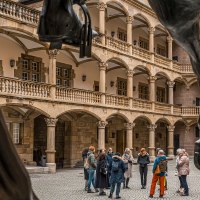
point(111, 83)
point(134, 42)
point(112, 33)
point(12, 62)
point(83, 78)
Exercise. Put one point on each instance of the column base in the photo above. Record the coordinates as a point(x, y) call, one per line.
point(152, 158)
point(52, 167)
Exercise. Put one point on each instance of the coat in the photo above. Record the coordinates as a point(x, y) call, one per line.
point(109, 161)
point(183, 165)
point(101, 178)
point(143, 160)
point(157, 162)
point(127, 159)
point(117, 177)
point(91, 160)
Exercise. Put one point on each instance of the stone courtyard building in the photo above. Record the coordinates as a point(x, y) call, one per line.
point(137, 90)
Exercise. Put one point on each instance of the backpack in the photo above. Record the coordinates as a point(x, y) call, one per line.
point(163, 165)
point(115, 166)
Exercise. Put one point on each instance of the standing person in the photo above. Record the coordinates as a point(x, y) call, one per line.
point(178, 151)
point(143, 161)
point(91, 169)
point(86, 175)
point(117, 175)
point(109, 156)
point(128, 161)
point(183, 170)
point(161, 164)
point(101, 174)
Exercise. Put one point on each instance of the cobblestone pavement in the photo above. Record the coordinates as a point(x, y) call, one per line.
point(68, 185)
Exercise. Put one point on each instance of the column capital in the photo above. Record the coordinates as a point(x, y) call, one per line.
point(152, 79)
point(151, 30)
point(129, 20)
point(102, 124)
point(152, 127)
point(171, 128)
point(129, 126)
point(130, 73)
point(101, 6)
point(51, 121)
point(53, 53)
point(171, 84)
point(187, 129)
point(169, 39)
point(103, 65)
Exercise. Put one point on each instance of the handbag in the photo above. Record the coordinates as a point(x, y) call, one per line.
point(157, 171)
point(126, 166)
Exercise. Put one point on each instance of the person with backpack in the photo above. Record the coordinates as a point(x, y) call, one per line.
point(128, 161)
point(91, 165)
point(109, 156)
point(143, 161)
point(117, 175)
point(101, 174)
point(159, 170)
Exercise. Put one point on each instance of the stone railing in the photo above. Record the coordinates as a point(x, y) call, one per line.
point(142, 104)
point(190, 111)
point(78, 95)
point(19, 12)
point(176, 110)
point(113, 100)
point(142, 53)
point(117, 44)
point(15, 87)
point(186, 68)
point(161, 60)
point(162, 108)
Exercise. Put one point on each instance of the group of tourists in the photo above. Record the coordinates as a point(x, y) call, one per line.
point(109, 170)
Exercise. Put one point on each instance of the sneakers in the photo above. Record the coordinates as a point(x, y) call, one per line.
point(161, 196)
point(90, 191)
point(150, 196)
point(102, 194)
point(118, 197)
point(110, 196)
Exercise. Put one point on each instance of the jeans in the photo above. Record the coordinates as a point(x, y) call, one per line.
point(184, 183)
point(143, 175)
point(181, 184)
point(112, 189)
point(91, 178)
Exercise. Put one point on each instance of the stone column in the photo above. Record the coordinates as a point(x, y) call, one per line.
point(101, 134)
point(171, 141)
point(102, 80)
point(129, 134)
point(169, 42)
point(152, 84)
point(151, 42)
point(152, 128)
point(171, 92)
point(102, 7)
point(129, 21)
point(130, 86)
point(52, 71)
point(51, 127)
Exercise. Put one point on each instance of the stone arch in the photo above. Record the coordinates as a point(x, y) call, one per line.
point(164, 74)
point(39, 110)
point(119, 4)
point(145, 17)
point(165, 120)
point(125, 65)
point(143, 117)
point(123, 116)
point(80, 110)
point(144, 68)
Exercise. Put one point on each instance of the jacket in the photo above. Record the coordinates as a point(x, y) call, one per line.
point(91, 160)
point(109, 160)
point(117, 177)
point(157, 162)
point(183, 165)
point(128, 160)
point(143, 160)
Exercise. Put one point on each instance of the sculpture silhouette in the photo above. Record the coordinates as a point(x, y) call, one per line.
point(14, 180)
point(181, 18)
point(59, 24)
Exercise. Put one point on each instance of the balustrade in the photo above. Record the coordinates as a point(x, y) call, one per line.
point(117, 100)
point(24, 88)
point(162, 60)
point(77, 95)
point(19, 12)
point(190, 111)
point(139, 52)
point(163, 108)
point(142, 104)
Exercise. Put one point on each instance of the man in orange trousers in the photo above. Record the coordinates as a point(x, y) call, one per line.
point(161, 158)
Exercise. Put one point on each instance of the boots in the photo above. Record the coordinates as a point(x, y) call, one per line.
point(127, 181)
point(110, 196)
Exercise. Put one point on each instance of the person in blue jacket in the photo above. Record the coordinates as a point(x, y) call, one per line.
point(109, 156)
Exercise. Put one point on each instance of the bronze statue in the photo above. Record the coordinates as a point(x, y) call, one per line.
point(181, 18)
point(59, 25)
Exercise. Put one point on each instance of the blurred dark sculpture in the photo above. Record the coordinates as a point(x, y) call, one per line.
point(59, 24)
point(181, 18)
point(15, 183)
